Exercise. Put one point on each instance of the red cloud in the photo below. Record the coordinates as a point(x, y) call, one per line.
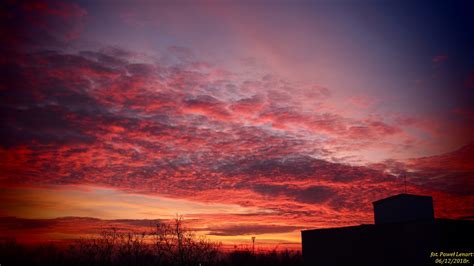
point(470, 81)
point(149, 128)
point(191, 131)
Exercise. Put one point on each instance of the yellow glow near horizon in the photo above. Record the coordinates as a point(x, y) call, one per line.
point(49, 202)
point(103, 203)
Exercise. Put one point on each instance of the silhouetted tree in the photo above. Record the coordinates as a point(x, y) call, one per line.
point(165, 244)
point(182, 246)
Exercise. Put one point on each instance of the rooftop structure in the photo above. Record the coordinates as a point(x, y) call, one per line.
point(405, 233)
point(403, 208)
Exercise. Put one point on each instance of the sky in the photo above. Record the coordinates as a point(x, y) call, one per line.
point(248, 118)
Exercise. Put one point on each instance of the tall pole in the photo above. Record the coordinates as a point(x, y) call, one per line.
point(253, 244)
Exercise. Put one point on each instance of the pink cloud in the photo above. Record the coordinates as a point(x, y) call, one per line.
point(439, 59)
point(362, 102)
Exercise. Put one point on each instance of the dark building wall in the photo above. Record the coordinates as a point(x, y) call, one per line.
point(403, 208)
point(386, 244)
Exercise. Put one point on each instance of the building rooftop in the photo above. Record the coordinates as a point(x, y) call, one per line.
point(402, 196)
point(403, 208)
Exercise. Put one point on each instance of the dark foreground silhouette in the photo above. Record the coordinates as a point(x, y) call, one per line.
point(166, 244)
point(405, 233)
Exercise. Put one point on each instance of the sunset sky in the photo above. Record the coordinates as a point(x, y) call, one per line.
point(250, 118)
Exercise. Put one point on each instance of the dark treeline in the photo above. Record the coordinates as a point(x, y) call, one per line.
point(165, 245)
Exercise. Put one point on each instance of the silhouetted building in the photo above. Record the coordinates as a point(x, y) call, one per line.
point(405, 233)
point(403, 208)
